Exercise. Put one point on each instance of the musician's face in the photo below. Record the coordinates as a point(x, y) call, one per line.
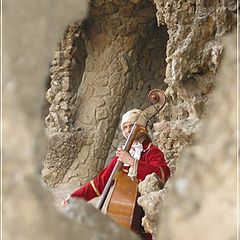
point(127, 127)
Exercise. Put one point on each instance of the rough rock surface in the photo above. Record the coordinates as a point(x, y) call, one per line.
point(202, 201)
point(194, 51)
point(151, 200)
point(102, 67)
point(31, 31)
point(118, 63)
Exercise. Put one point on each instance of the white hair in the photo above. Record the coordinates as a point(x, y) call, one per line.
point(130, 117)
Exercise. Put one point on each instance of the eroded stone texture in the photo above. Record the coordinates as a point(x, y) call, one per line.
point(151, 183)
point(119, 52)
point(194, 52)
point(113, 41)
point(151, 199)
point(63, 150)
point(65, 142)
point(150, 72)
point(112, 68)
point(66, 73)
point(30, 33)
point(202, 201)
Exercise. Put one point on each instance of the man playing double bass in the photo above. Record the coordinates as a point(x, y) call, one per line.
point(144, 158)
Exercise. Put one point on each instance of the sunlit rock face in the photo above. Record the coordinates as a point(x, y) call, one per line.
point(31, 32)
point(103, 65)
point(194, 52)
point(202, 201)
point(107, 65)
point(151, 200)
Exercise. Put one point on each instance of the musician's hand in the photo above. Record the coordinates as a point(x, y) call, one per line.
point(65, 201)
point(124, 157)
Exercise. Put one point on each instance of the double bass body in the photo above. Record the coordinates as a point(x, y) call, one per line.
point(122, 206)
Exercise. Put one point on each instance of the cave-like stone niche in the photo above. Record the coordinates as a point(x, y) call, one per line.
point(102, 68)
point(149, 74)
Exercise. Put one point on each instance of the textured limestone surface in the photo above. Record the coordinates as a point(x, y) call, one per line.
point(31, 30)
point(202, 198)
point(107, 64)
point(104, 65)
point(194, 51)
point(151, 200)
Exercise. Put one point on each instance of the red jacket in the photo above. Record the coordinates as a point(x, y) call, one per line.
point(151, 160)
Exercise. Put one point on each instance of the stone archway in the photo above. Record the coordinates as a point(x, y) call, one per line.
point(102, 67)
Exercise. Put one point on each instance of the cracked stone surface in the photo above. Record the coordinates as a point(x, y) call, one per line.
point(109, 55)
point(121, 55)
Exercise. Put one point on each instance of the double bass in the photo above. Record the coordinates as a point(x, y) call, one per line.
point(119, 197)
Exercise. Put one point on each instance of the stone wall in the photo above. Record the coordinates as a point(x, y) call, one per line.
point(31, 30)
point(150, 73)
point(97, 69)
point(119, 59)
point(202, 198)
point(194, 51)
point(107, 64)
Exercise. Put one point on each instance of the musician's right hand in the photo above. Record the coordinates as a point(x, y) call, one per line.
point(124, 157)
